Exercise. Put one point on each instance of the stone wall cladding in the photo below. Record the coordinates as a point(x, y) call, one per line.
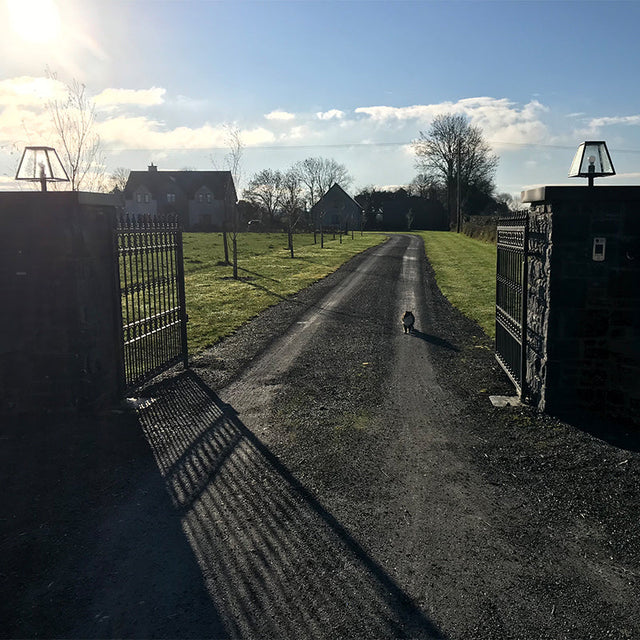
point(539, 269)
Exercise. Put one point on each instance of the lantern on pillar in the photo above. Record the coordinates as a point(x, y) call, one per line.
point(592, 160)
point(41, 164)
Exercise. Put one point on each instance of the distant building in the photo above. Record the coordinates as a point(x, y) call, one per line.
point(336, 209)
point(201, 199)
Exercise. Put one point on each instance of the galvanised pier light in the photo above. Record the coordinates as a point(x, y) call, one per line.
point(592, 160)
point(41, 164)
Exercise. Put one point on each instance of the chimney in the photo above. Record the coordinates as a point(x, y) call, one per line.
point(152, 167)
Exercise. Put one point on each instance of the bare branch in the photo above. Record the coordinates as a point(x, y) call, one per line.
point(80, 147)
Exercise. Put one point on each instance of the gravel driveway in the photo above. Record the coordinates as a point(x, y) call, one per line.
point(329, 476)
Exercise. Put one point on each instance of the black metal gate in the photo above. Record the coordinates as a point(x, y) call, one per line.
point(511, 297)
point(152, 299)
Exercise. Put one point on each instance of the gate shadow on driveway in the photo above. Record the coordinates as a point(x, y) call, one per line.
point(276, 563)
point(90, 545)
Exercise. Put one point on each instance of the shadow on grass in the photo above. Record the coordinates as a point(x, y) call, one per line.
point(261, 287)
point(255, 273)
point(276, 562)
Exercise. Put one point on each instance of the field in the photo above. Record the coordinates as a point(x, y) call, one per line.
point(466, 274)
point(217, 304)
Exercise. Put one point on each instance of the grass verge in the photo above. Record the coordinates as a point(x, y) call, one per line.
point(465, 271)
point(217, 304)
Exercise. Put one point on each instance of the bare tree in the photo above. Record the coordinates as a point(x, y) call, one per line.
point(119, 178)
point(80, 148)
point(423, 186)
point(264, 191)
point(318, 175)
point(291, 202)
point(455, 156)
point(233, 160)
point(118, 181)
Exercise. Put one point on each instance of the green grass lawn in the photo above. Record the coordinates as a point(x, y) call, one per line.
point(466, 274)
point(217, 304)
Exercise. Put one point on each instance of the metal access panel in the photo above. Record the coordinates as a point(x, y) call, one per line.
point(511, 297)
point(152, 296)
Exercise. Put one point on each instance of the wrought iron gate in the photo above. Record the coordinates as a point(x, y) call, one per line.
point(511, 297)
point(151, 281)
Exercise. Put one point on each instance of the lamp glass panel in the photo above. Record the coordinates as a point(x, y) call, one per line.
point(602, 165)
point(37, 161)
point(591, 150)
point(574, 171)
point(606, 166)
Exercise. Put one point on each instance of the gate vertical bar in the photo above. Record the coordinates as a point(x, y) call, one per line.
point(182, 297)
point(523, 321)
point(119, 273)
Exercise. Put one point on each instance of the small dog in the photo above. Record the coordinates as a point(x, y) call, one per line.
point(408, 320)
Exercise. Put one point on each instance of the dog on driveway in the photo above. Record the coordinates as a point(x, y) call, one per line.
point(408, 320)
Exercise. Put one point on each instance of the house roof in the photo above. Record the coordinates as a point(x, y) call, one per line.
point(336, 195)
point(189, 182)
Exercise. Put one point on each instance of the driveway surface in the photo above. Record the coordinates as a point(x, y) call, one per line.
point(320, 474)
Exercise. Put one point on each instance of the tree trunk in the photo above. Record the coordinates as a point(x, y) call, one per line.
point(226, 245)
point(235, 256)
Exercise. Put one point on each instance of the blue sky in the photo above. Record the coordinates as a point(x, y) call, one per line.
point(354, 81)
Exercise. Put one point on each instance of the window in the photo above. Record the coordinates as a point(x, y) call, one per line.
point(201, 197)
point(209, 198)
point(147, 198)
point(138, 197)
point(171, 197)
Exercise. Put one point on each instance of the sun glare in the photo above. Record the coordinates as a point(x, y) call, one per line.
point(35, 21)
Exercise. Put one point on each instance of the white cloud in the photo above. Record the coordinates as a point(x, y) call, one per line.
point(110, 98)
point(330, 115)
point(257, 136)
point(280, 115)
point(503, 123)
point(125, 132)
point(297, 133)
point(415, 112)
point(613, 120)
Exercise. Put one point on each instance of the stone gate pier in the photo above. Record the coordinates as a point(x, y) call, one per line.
point(583, 301)
point(60, 326)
